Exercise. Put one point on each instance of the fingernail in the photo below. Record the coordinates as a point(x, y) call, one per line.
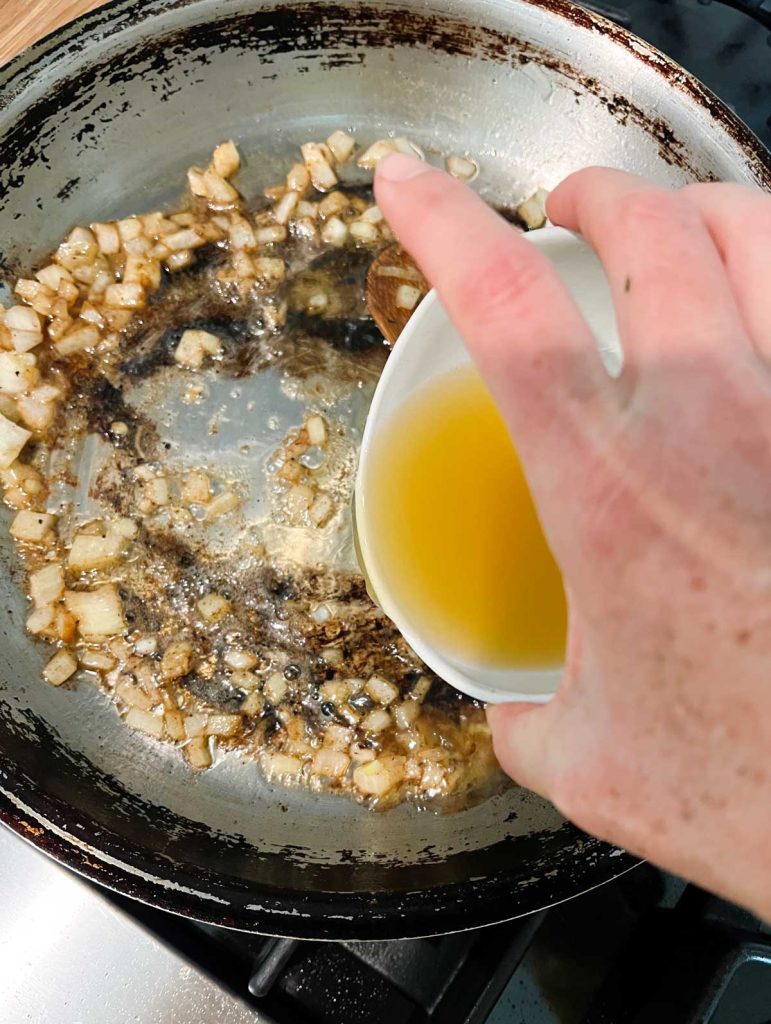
point(398, 167)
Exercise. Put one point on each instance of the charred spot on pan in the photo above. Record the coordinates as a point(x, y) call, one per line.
point(510, 215)
point(139, 612)
point(216, 691)
point(350, 335)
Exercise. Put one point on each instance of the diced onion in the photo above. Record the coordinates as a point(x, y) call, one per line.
point(177, 660)
point(372, 156)
point(212, 607)
point(222, 504)
point(319, 168)
point(225, 159)
point(462, 167)
point(99, 612)
point(330, 763)
point(341, 145)
point(334, 231)
point(32, 527)
point(533, 210)
point(240, 659)
point(198, 753)
point(275, 688)
point(381, 691)
point(376, 721)
point(60, 667)
point(379, 776)
point(298, 179)
point(285, 207)
point(12, 441)
point(46, 585)
point(18, 372)
point(92, 552)
point(145, 721)
point(407, 296)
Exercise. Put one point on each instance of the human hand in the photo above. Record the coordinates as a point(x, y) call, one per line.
point(654, 491)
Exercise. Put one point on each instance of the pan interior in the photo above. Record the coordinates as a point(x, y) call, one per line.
point(103, 123)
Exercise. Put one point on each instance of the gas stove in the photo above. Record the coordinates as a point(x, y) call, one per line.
point(645, 949)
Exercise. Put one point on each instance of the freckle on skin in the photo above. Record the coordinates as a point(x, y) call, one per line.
point(743, 637)
point(698, 583)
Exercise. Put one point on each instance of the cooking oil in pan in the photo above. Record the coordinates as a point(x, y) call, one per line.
point(459, 544)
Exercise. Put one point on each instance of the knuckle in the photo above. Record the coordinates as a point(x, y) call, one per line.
point(653, 211)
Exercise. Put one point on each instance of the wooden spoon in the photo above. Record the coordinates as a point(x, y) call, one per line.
point(395, 286)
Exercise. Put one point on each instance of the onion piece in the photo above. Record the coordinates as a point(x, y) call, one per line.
point(91, 552)
point(60, 667)
point(381, 690)
point(32, 527)
point(298, 179)
point(107, 238)
point(145, 721)
point(533, 210)
point(225, 159)
point(237, 658)
point(281, 764)
point(193, 347)
point(362, 231)
point(196, 488)
point(241, 233)
point(223, 725)
point(321, 510)
point(462, 167)
point(222, 504)
point(406, 714)
point(12, 441)
point(212, 607)
point(177, 660)
point(271, 270)
point(275, 688)
point(46, 585)
point(285, 207)
point(334, 232)
point(380, 775)
point(372, 156)
point(376, 721)
point(97, 660)
point(319, 168)
point(341, 145)
point(99, 612)
point(41, 620)
point(198, 752)
point(132, 695)
point(83, 335)
point(270, 233)
point(18, 372)
point(407, 296)
point(333, 204)
point(125, 296)
point(330, 763)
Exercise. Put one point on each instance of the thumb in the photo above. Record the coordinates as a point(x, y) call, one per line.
point(525, 742)
point(519, 323)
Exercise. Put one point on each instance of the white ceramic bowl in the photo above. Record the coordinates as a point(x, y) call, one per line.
point(430, 346)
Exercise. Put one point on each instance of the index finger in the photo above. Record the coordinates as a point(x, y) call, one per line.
point(669, 286)
point(519, 323)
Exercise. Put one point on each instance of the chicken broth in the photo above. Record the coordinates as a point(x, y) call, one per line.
point(455, 537)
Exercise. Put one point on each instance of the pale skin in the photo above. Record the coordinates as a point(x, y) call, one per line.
point(654, 491)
